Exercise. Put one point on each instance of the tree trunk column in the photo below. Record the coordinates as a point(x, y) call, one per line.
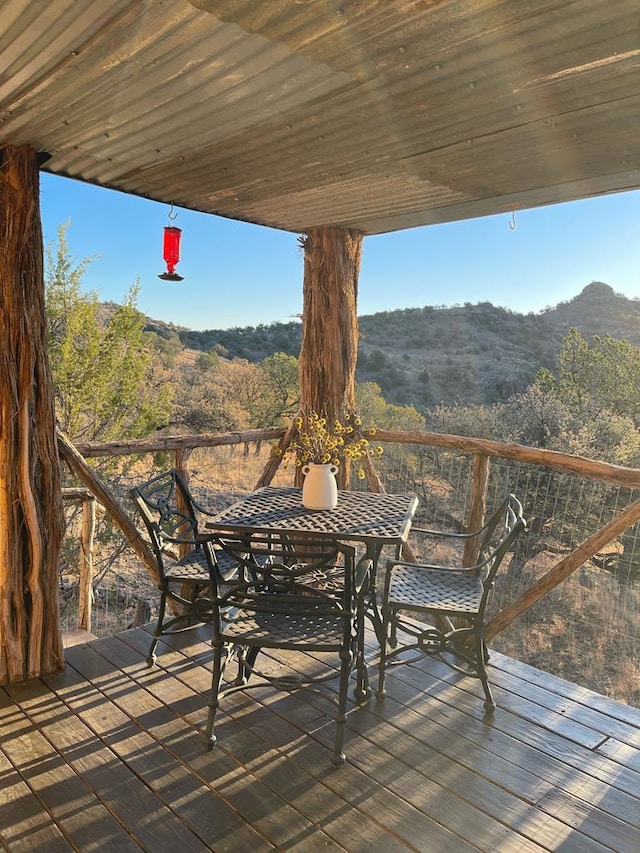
point(31, 525)
point(329, 350)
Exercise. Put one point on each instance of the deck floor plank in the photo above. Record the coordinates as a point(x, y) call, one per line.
point(553, 750)
point(278, 817)
point(109, 755)
point(543, 768)
point(25, 824)
point(371, 797)
point(593, 777)
point(71, 803)
point(568, 689)
point(556, 749)
point(157, 752)
point(243, 727)
point(554, 828)
point(592, 821)
point(476, 792)
point(122, 792)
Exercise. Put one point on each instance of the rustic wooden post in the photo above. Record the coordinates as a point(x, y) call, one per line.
point(182, 455)
point(31, 518)
point(329, 350)
point(182, 467)
point(478, 506)
point(87, 534)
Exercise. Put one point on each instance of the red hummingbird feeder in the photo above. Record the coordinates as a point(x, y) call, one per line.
point(171, 251)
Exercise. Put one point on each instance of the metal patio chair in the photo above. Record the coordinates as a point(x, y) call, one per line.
point(277, 604)
point(171, 517)
point(453, 597)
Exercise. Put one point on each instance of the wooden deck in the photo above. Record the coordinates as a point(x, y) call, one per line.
point(108, 756)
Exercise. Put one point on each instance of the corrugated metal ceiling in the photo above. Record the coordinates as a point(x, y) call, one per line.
point(369, 114)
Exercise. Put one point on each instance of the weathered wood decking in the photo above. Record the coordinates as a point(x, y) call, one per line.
point(108, 756)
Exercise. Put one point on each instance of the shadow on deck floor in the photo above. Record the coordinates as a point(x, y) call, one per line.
point(108, 755)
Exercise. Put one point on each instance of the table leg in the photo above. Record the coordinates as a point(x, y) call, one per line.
point(362, 691)
point(373, 609)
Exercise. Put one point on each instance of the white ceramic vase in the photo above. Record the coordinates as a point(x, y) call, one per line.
point(319, 489)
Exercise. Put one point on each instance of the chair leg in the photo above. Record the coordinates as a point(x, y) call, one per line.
point(339, 757)
point(362, 691)
point(481, 658)
point(246, 661)
point(219, 661)
point(151, 657)
point(380, 692)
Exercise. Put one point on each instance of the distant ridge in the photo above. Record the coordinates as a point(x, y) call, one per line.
point(465, 354)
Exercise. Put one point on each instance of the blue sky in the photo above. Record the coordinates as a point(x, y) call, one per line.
point(237, 274)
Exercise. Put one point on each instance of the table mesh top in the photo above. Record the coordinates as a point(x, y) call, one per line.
point(359, 515)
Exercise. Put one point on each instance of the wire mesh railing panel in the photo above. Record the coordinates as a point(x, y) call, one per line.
point(219, 476)
point(123, 593)
point(441, 479)
point(587, 629)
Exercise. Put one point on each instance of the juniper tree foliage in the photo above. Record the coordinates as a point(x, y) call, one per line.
point(108, 379)
point(596, 382)
point(602, 373)
point(281, 371)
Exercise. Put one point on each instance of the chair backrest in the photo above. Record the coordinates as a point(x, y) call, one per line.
point(284, 573)
point(168, 511)
point(499, 533)
point(498, 525)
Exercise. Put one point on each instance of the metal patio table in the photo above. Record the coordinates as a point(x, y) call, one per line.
point(370, 518)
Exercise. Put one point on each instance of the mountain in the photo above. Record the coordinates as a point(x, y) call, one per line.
point(465, 354)
point(481, 353)
point(599, 310)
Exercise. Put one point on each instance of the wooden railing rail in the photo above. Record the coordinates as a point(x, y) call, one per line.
point(92, 450)
point(565, 462)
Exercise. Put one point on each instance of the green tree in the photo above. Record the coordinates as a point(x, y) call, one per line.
point(602, 374)
point(282, 377)
point(109, 380)
point(538, 417)
point(376, 412)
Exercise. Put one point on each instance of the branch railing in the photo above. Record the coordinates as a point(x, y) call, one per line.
point(481, 454)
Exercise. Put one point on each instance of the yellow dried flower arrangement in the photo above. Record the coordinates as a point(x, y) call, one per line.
point(315, 441)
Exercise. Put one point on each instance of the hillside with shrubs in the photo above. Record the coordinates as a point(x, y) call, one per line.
point(424, 357)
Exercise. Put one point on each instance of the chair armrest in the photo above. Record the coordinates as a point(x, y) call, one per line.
point(202, 509)
point(444, 534)
point(434, 567)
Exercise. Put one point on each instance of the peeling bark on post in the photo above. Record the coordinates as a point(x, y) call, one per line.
point(182, 467)
point(329, 350)
point(31, 521)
